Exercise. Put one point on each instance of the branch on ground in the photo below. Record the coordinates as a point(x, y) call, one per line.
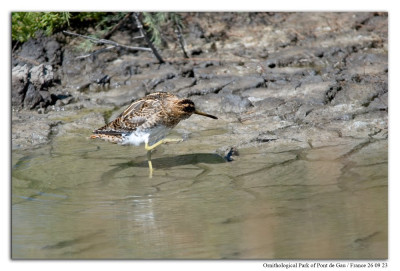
point(144, 34)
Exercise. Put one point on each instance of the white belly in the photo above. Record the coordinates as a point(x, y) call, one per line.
point(151, 136)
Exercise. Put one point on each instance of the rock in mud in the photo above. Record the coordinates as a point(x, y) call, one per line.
point(32, 97)
point(30, 86)
point(41, 76)
point(40, 50)
point(19, 84)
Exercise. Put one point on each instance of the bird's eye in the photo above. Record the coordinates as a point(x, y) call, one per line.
point(188, 108)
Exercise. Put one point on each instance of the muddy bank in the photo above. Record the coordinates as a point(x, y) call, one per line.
point(276, 80)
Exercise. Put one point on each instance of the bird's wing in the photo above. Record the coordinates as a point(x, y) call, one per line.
point(134, 116)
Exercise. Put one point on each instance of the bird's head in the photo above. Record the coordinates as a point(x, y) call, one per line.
point(187, 107)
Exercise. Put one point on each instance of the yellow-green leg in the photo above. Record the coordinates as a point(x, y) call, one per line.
point(150, 148)
point(150, 164)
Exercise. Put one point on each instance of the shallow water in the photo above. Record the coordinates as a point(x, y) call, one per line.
point(80, 198)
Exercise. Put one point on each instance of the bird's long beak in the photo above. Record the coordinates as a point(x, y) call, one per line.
point(205, 114)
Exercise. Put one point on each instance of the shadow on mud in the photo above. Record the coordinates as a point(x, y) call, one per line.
point(167, 162)
point(174, 161)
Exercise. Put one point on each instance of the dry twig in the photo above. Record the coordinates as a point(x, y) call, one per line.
point(143, 33)
point(104, 41)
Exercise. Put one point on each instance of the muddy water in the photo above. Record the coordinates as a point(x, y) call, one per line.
point(78, 198)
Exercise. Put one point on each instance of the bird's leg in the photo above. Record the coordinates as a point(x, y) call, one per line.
point(150, 164)
point(162, 141)
point(150, 148)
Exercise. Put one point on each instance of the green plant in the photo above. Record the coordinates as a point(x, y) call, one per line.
point(155, 20)
point(88, 16)
point(102, 22)
point(24, 25)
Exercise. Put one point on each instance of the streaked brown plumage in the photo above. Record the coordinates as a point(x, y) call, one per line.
point(158, 110)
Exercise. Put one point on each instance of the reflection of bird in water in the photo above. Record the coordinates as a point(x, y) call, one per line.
point(148, 120)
